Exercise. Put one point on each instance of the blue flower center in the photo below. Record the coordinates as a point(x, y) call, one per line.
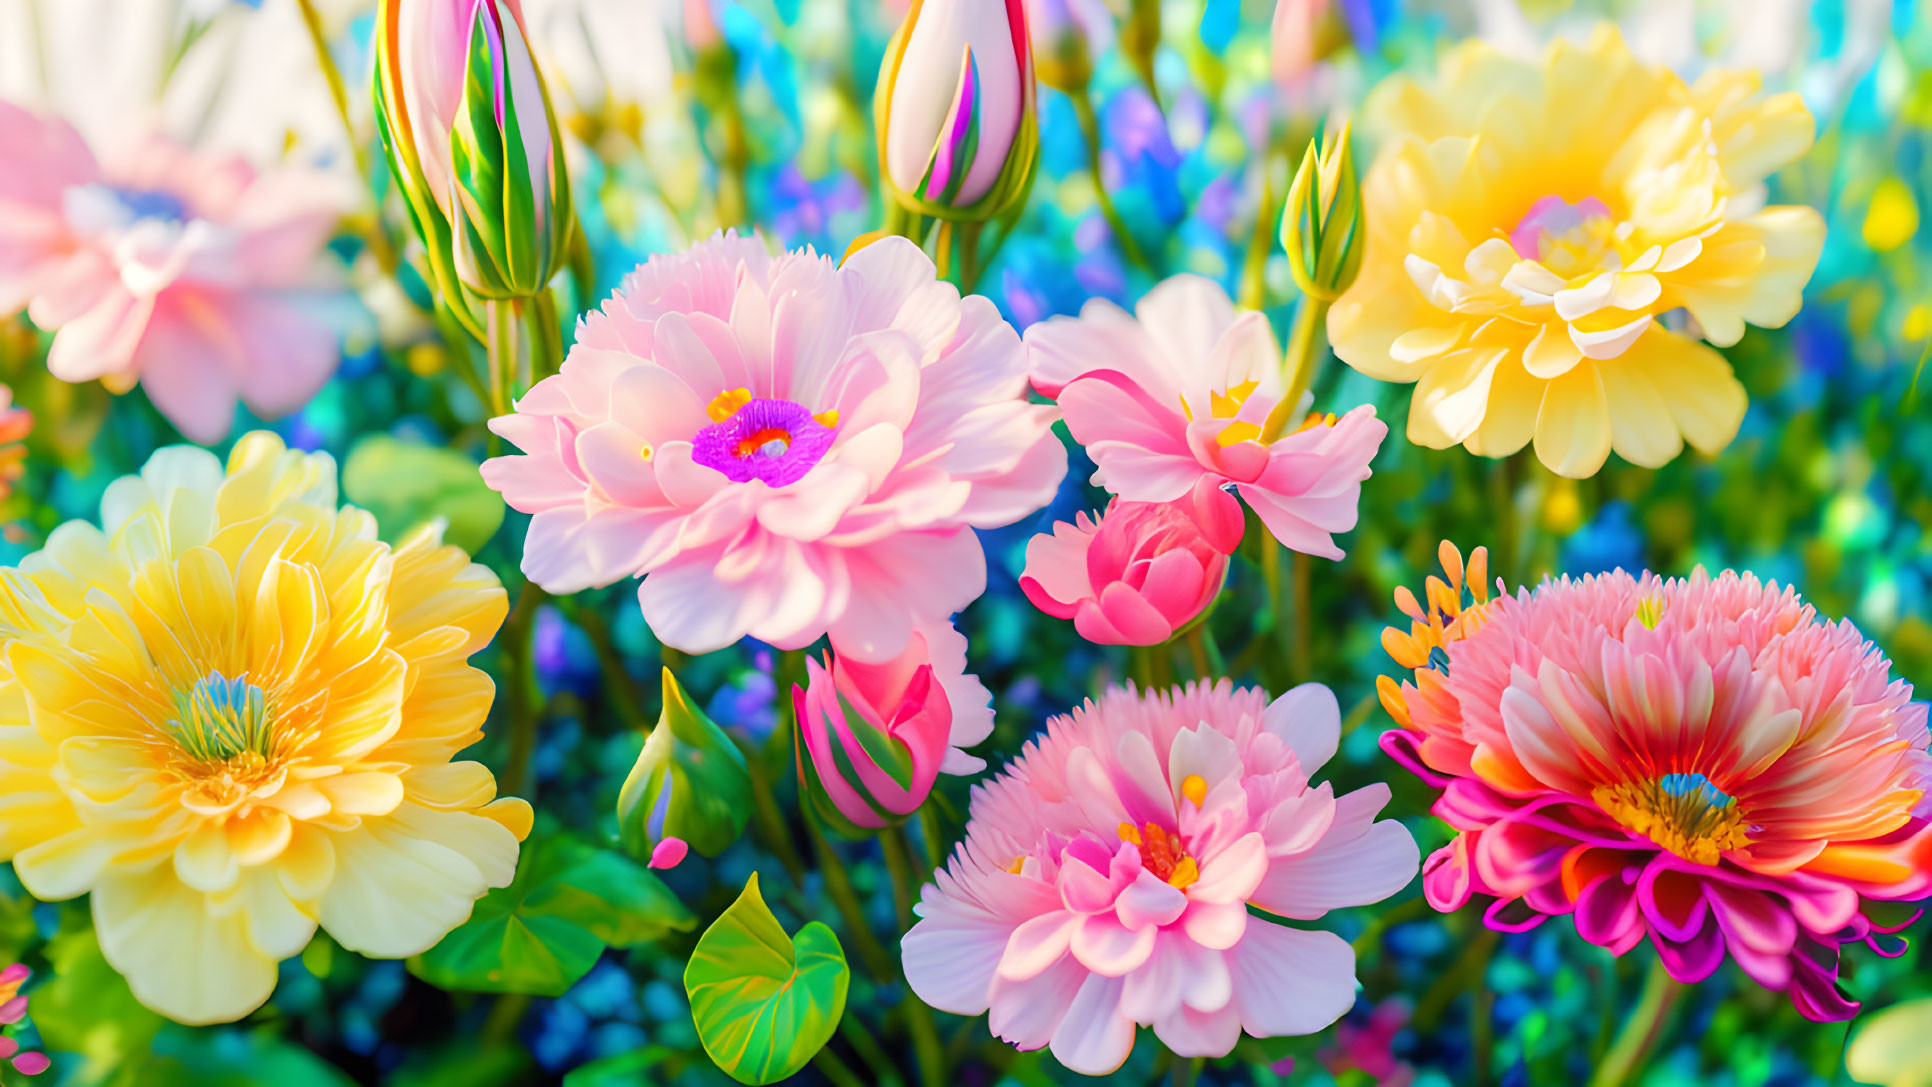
point(220, 718)
point(152, 204)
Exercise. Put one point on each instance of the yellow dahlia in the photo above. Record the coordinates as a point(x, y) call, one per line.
point(229, 713)
point(1531, 224)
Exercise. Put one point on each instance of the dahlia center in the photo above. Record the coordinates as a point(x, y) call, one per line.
point(1684, 813)
point(1569, 239)
point(1161, 853)
point(219, 719)
point(774, 441)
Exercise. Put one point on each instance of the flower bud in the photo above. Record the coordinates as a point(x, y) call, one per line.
point(955, 110)
point(1140, 574)
point(871, 737)
point(689, 783)
point(472, 141)
point(1063, 60)
point(1322, 228)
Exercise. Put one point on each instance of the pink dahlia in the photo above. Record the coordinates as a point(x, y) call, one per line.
point(1188, 388)
point(1106, 876)
point(1702, 763)
point(192, 276)
point(783, 447)
point(1139, 573)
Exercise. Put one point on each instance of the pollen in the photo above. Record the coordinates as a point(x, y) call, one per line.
point(1194, 787)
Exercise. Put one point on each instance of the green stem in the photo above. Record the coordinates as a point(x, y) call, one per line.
point(1301, 658)
point(1197, 651)
point(1300, 362)
point(836, 1070)
point(853, 1030)
point(838, 886)
point(1646, 1026)
point(505, 1013)
point(1185, 1072)
point(545, 356)
point(938, 842)
point(1254, 270)
point(771, 822)
point(378, 238)
point(943, 249)
point(1090, 131)
point(925, 1032)
point(501, 315)
point(620, 690)
point(520, 677)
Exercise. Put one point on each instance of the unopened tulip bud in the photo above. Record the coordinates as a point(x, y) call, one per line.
point(871, 738)
point(1323, 228)
point(473, 143)
point(958, 134)
point(689, 783)
point(1060, 50)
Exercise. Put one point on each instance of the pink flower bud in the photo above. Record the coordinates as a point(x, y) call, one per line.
point(1142, 572)
point(872, 737)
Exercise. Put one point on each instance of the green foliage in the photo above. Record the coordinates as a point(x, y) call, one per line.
point(765, 1002)
point(546, 929)
point(408, 484)
point(200, 1058)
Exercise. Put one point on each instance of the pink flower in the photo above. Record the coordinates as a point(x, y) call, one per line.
point(186, 274)
point(785, 447)
point(1106, 877)
point(1183, 394)
point(1701, 763)
point(874, 737)
point(1139, 574)
point(669, 853)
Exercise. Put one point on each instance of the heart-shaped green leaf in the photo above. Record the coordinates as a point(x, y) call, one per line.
point(546, 929)
point(764, 1002)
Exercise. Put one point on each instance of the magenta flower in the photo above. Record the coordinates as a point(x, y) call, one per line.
point(872, 738)
point(1106, 878)
point(13, 1008)
point(1702, 764)
point(783, 447)
point(1139, 574)
point(1182, 391)
point(195, 277)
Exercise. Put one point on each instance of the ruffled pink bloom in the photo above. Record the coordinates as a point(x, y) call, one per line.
point(1702, 763)
point(1140, 573)
point(1181, 391)
point(784, 447)
point(189, 275)
point(920, 709)
point(1106, 876)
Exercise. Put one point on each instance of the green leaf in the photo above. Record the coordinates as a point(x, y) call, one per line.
point(622, 1070)
point(408, 484)
point(544, 931)
point(764, 1002)
point(235, 1058)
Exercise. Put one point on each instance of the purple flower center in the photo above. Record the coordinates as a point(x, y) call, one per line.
point(1553, 218)
point(776, 441)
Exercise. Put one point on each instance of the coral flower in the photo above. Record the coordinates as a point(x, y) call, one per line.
point(1106, 876)
point(1701, 763)
point(193, 276)
point(16, 423)
point(1186, 389)
point(1141, 572)
point(784, 447)
point(229, 713)
point(1529, 224)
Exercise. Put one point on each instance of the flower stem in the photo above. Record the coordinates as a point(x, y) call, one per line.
point(1299, 364)
point(919, 1019)
point(838, 885)
point(1254, 270)
point(1300, 657)
point(520, 677)
point(836, 1070)
point(1647, 1024)
point(379, 246)
point(1090, 131)
point(503, 351)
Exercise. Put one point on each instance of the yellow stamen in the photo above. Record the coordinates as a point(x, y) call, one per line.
point(645, 452)
point(1314, 420)
point(1650, 611)
point(1129, 833)
point(1228, 405)
point(828, 419)
point(1194, 788)
point(727, 403)
point(1237, 432)
point(1186, 874)
point(1018, 862)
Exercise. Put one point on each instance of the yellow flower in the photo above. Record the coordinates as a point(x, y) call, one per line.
point(229, 715)
point(1530, 223)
